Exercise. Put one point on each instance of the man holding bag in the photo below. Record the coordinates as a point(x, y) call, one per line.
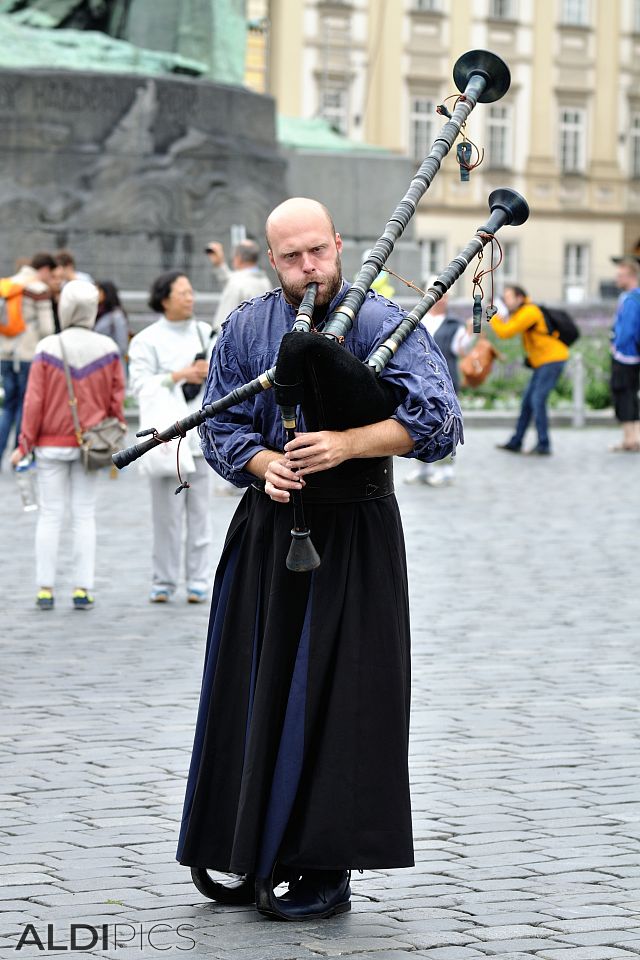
point(168, 363)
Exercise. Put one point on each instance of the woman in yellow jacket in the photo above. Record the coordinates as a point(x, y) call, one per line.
point(545, 354)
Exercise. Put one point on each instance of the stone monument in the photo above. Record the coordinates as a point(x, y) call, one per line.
point(122, 159)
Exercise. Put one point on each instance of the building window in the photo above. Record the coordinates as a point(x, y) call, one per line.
point(501, 9)
point(572, 139)
point(575, 280)
point(432, 259)
point(499, 137)
point(635, 26)
point(422, 125)
point(574, 13)
point(427, 6)
point(634, 140)
point(334, 107)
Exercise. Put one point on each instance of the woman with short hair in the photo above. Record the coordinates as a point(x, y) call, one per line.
point(168, 364)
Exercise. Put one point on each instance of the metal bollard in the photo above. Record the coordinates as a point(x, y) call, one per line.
point(577, 378)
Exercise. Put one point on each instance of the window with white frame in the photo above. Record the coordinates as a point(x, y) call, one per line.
point(634, 143)
point(427, 6)
point(502, 9)
point(334, 106)
point(422, 126)
point(499, 137)
point(635, 25)
point(575, 274)
point(573, 124)
point(575, 13)
point(432, 258)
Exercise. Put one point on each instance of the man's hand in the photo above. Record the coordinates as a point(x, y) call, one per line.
point(215, 253)
point(196, 372)
point(279, 479)
point(312, 452)
point(16, 457)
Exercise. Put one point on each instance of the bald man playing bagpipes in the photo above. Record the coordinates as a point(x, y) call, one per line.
point(299, 771)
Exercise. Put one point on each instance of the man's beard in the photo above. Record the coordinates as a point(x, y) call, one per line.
point(331, 287)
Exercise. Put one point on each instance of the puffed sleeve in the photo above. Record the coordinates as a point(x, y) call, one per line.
point(229, 440)
point(430, 412)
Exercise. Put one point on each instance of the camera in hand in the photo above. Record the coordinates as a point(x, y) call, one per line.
point(191, 390)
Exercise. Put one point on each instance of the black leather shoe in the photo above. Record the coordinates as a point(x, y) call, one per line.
point(318, 894)
point(509, 447)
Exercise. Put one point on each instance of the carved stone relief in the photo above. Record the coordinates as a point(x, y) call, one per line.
point(134, 174)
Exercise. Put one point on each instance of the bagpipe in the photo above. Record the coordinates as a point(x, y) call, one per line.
point(313, 371)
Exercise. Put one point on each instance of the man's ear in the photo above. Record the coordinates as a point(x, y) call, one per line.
point(338, 243)
point(271, 260)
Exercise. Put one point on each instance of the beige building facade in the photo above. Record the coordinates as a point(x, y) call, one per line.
point(566, 135)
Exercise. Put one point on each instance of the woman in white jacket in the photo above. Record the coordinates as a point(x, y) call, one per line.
point(167, 378)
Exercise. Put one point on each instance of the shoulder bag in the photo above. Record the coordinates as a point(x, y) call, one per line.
point(98, 443)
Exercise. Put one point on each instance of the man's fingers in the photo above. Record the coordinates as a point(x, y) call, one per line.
point(282, 496)
point(303, 440)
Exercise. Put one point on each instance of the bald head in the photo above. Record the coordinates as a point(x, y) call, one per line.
point(295, 212)
point(304, 248)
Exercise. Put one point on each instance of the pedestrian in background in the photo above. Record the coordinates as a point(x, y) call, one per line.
point(112, 319)
point(56, 282)
point(67, 263)
point(545, 354)
point(168, 363)
point(453, 338)
point(48, 430)
point(243, 281)
point(625, 355)
point(17, 351)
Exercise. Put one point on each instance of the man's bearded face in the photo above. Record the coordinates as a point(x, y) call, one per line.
point(328, 278)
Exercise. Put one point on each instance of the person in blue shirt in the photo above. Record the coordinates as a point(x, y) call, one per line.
point(625, 355)
point(299, 769)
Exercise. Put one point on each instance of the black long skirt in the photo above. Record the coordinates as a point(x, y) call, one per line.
point(301, 743)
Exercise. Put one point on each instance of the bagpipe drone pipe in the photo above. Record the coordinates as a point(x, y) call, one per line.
point(314, 372)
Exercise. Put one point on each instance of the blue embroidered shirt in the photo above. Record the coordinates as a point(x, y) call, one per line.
point(248, 345)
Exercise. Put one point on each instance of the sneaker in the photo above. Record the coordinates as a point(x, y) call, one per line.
point(509, 447)
point(196, 596)
point(435, 479)
point(82, 599)
point(159, 595)
point(44, 600)
point(416, 476)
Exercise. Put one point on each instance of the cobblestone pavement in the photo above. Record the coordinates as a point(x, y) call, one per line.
point(525, 737)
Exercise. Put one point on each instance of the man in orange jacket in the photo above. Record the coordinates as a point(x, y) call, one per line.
point(545, 354)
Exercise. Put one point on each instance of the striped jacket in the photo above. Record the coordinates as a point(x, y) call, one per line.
point(98, 384)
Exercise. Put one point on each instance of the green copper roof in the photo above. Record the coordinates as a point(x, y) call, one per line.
point(318, 134)
point(28, 47)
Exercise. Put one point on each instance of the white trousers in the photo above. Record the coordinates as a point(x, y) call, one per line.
point(59, 481)
point(169, 514)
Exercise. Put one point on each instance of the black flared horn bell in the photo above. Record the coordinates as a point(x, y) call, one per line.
point(303, 556)
point(489, 66)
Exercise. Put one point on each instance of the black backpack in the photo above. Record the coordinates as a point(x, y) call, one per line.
point(560, 325)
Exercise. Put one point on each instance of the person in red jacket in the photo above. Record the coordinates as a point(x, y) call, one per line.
point(48, 432)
